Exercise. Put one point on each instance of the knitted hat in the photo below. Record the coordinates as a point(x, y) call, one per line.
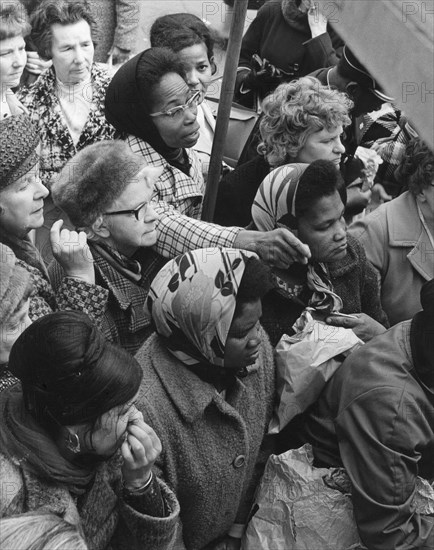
point(350, 67)
point(15, 284)
point(18, 142)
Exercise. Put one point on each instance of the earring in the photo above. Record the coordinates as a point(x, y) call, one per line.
point(73, 443)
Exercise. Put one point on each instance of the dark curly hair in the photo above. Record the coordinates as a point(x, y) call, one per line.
point(182, 30)
point(256, 281)
point(320, 179)
point(416, 169)
point(62, 12)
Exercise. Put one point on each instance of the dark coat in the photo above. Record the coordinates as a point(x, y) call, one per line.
point(376, 418)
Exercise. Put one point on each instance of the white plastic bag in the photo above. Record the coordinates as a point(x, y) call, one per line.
point(305, 362)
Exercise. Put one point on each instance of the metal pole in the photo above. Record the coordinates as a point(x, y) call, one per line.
point(224, 110)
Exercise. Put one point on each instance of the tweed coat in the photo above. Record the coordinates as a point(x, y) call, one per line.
point(213, 448)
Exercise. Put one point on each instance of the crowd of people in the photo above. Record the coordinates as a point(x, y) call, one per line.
point(137, 342)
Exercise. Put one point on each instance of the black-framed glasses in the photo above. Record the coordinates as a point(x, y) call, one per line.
point(139, 212)
point(176, 112)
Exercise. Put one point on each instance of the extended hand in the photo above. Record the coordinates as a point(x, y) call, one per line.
point(278, 248)
point(364, 326)
point(71, 250)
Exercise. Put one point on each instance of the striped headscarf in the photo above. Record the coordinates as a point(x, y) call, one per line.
point(274, 206)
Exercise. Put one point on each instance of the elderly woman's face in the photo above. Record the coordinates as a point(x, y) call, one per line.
point(181, 130)
point(12, 61)
point(72, 51)
point(323, 145)
point(128, 231)
point(22, 204)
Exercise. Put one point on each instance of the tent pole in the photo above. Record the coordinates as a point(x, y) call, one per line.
point(225, 103)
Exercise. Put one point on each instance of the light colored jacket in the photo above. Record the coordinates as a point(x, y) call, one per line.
point(398, 246)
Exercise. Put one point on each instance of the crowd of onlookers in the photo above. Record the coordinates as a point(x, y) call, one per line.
point(137, 342)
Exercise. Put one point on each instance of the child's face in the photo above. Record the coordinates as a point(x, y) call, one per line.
point(198, 66)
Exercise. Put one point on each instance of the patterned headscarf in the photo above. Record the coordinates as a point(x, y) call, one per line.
point(274, 206)
point(192, 301)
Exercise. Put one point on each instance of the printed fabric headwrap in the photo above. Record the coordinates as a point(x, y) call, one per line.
point(192, 301)
point(274, 206)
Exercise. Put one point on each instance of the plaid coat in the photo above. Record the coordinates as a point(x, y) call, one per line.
point(173, 187)
point(45, 111)
point(126, 320)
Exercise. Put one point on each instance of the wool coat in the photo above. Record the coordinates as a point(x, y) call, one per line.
point(399, 247)
point(376, 418)
point(213, 447)
point(108, 522)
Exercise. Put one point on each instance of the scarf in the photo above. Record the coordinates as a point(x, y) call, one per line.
point(274, 206)
point(127, 110)
point(25, 251)
point(130, 269)
point(192, 301)
point(23, 439)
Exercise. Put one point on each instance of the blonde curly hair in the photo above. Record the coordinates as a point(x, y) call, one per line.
point(293, 112)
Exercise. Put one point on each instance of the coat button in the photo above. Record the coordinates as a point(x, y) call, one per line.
point(239, 461)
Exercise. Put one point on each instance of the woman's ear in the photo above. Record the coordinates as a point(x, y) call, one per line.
point(99, 229)
point(213, 65)
point(353, 90)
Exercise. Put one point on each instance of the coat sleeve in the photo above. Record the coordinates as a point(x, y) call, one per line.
point(75, 295)
point(371, 232)
point(127, 24)
point(178, 234)
point(324, 50)
point(380, 449)
point(158, 533)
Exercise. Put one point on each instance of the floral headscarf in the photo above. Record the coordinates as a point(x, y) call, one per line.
point(192, 301)
point(274, 206)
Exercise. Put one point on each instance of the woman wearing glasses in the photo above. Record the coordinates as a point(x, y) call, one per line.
point(153, 109)
point(106, 191)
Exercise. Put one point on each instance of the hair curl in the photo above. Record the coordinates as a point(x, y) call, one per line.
point(13, 20)
point(416, 169)
point(62, 12)
point(293, 112)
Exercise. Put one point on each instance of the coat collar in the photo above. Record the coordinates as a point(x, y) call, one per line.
point(190, 395)
point(406, 230)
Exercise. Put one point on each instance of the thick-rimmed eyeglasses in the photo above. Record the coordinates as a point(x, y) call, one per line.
point(139, 212)
point(177, 112)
